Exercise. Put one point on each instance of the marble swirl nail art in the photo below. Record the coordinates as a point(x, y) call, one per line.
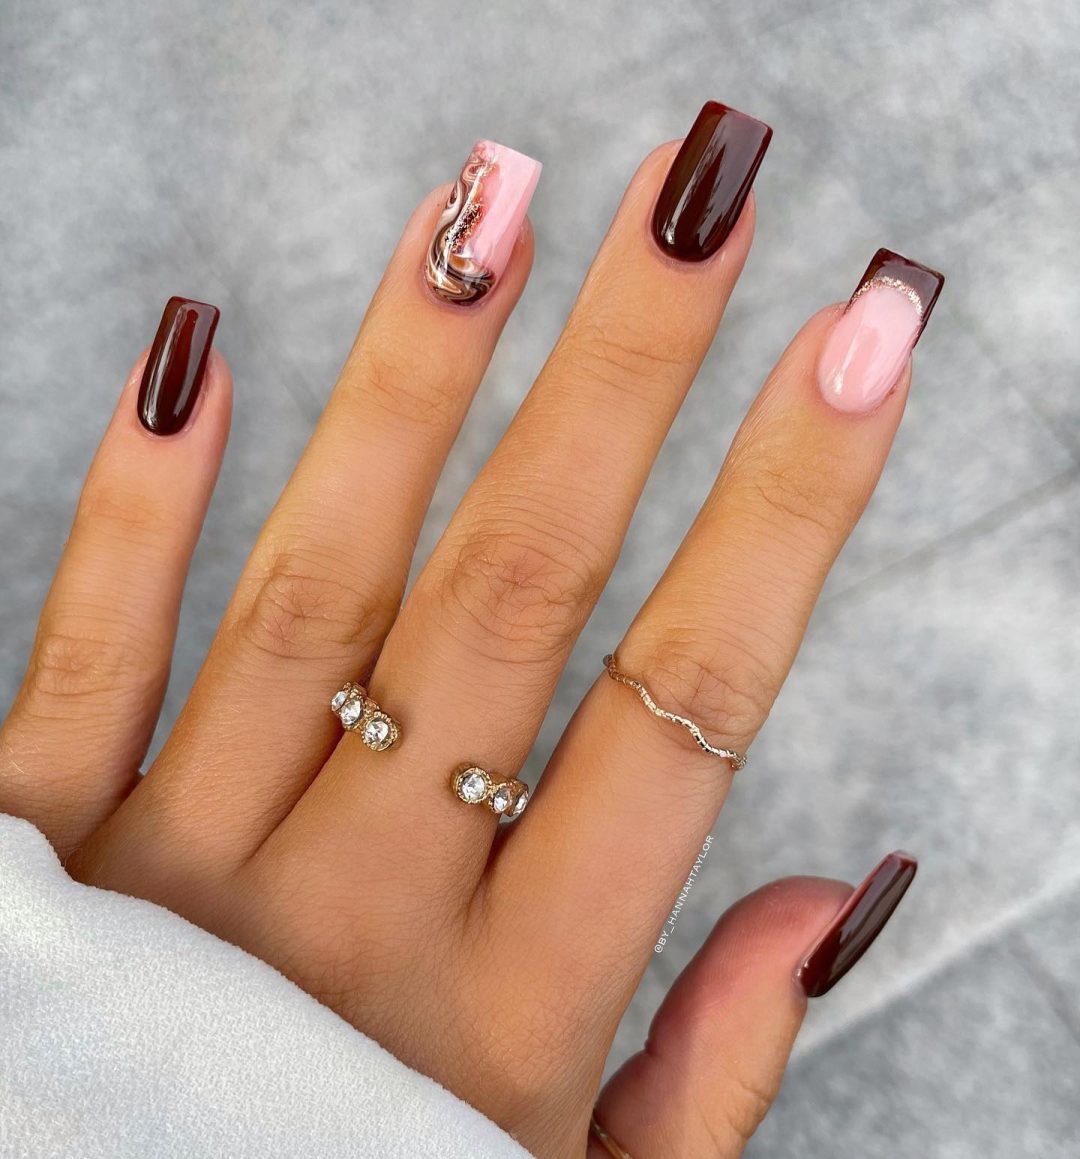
point(476, 232)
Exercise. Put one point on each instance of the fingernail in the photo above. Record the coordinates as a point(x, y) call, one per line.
point(481, 222)
point(708, 182)
point(855, 927)
point(868, 348)
point(177, 365)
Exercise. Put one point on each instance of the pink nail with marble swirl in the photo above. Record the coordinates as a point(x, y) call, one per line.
point(479, 227)
point(870, 344)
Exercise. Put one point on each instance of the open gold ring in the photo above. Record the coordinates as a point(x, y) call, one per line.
point(505, 796)
point(359, 713)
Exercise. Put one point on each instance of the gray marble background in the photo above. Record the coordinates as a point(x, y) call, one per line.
point(264, 157)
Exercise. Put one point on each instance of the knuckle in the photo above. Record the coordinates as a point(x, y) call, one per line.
point(529, 1069)
point(332, 956)
point(531, 1051)
point(627, 358)
point(407, 389)
point(299, 611)
point(806, 501)
point(722, 687)
point(516, 585)
point(70, 664)
point(125, 516)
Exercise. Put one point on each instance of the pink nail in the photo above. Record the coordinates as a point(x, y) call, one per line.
point(480, 225)
point(869, 346)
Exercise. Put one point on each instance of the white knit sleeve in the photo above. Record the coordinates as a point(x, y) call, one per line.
point(125, 1031)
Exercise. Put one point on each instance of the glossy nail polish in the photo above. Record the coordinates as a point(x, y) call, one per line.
point(708, 183)
point(479, 227)
point(176, 365)
point(870, 344)
point(855, 927)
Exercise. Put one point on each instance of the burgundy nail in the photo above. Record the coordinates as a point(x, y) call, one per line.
point(709, 181)
point(855, 927)
point(176, 365)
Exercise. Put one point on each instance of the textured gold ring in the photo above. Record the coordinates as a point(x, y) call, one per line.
point(360, 714)
point(738, 760)
point(504, 796)
point(606, 1141)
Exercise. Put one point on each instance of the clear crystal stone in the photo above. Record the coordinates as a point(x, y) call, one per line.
point(520, 803)
point(339, 700)
point(376, 732)
point(351, 713)
point(500, 799)
point(473, 787)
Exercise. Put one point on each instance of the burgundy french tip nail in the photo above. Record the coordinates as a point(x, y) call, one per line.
point(853, 930)
point(908, 276)
point(176, 365)
point(870, 344)
point(709, 182)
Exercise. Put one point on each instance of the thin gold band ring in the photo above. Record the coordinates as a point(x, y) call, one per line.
point(738, 760)
point(606, 1141)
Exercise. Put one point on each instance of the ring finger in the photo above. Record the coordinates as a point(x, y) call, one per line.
point(715, 640)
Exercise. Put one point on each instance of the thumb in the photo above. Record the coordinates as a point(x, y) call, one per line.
point(719, 1044)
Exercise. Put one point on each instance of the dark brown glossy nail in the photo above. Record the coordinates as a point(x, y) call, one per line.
point(855, 927)
point(176, 365)
point(708, 183)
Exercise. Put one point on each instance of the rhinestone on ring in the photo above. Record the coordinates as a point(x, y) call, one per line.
point(476, 786)
point(359, 713)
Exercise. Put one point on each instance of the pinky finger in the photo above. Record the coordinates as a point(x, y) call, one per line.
point(719, 1044)
point(83, 718)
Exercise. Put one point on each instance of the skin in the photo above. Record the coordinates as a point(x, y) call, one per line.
point(261, 822)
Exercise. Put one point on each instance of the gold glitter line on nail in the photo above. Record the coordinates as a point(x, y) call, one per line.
point(895, 284)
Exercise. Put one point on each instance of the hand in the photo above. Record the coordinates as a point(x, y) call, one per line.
point(499, 961)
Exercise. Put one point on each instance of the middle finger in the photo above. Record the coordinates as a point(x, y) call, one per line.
point(480, 644)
